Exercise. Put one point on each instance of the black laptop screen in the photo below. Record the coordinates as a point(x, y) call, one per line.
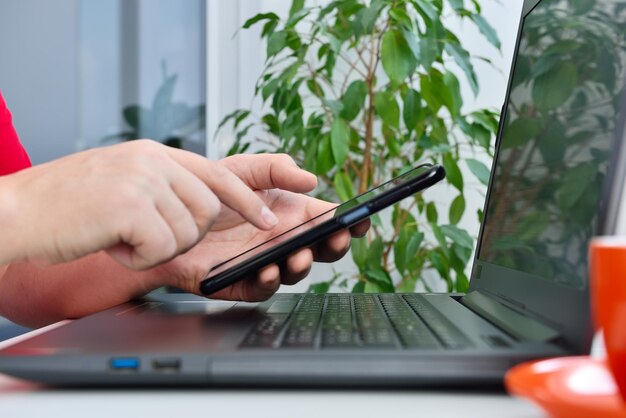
point(556, 140)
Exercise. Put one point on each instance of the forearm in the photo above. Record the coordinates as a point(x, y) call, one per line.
point(37, 296)
point(10, 227)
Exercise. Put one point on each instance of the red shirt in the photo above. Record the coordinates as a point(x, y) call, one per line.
point(13, 157)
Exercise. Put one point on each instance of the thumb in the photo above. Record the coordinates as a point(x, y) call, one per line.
point(271, 171)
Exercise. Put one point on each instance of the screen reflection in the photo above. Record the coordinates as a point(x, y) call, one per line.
point(557, 138)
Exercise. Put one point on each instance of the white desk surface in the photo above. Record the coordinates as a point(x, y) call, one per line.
point(22, 399)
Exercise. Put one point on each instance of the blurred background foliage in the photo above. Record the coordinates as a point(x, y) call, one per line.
point(359, 91)
point(167, 121)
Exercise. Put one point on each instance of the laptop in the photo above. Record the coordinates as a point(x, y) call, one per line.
point(556, 181)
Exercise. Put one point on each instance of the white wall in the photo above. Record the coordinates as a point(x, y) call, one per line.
point(38, 69)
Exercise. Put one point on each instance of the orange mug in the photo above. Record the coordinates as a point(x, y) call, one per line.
point(607, 262)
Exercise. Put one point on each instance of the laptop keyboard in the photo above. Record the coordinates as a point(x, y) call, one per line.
point(339, 321)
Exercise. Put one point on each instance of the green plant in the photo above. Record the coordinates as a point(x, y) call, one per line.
point(167, 121)
point(359, 91)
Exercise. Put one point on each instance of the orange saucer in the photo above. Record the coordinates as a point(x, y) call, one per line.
point(569, 387)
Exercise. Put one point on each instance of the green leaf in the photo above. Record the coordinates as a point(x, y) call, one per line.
point(440, 263)
point(343, 186)
point(431, 213)
point(572, 188)
point(315, 88)
point(397, 57)
point(487, 30)
point(522, 130)
point(340, 140)
point(319, 288)
point(412, 112)
point(393, 144)
point(552, 88)
point(457, 208)
point(378, 281)
point(479, 169)
point(427, 8)
point(434, 90)
point(429, 50)
point(136, 116)
point(353, 100)
point(456, 101)
point(263, 16)
point(458, 236)
point(413, 43)
point(359, 252)
point(583, 6)
point(269, 28)
point(269, 89)
point(462, 282)
point(400, 17)
point(453, 173)
point(387, 108)
point(325, 160)
point(441, 238)
point(457, 5)
point(365, 19)
point(163, 98)
point(375, 253)
point(296, 6)
point(276, 43)
point(359, 288)
point(406, 246)
point(463, 60)
point(335, 106)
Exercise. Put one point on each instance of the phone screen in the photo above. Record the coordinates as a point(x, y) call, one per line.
point(319, 219)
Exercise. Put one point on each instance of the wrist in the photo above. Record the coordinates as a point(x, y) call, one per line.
point(10, 237)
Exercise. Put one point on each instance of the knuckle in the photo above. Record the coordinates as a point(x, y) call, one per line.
point(165, 248)
point(188, 236)
point(284, 158)
point(208, 211)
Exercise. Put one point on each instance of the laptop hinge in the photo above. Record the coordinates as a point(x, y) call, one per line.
point(514, 323)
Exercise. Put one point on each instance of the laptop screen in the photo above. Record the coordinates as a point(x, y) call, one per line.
point(556, 140)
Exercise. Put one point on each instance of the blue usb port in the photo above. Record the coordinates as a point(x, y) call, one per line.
point(124, 364)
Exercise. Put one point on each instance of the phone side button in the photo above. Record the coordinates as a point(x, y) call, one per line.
point(355, 216)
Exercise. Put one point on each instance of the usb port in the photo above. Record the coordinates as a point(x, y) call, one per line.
point(124, 364)
point(166, 365)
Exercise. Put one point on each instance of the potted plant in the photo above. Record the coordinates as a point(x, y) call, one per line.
point(167, 121)
point(358, 91)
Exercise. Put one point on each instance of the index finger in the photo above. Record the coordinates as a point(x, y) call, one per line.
point(229, 188)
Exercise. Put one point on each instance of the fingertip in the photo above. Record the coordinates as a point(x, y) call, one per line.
point(269, 279)
point(360, 230)
point(340, 242)
point(269, 217)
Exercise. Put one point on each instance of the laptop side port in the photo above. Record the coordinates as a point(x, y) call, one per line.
point(124, 364)
point(166, 365)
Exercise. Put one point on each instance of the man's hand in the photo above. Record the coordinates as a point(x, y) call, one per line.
point(141, 201)
point(108, 199)
point(279, 181)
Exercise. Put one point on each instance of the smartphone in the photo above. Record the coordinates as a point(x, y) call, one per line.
point(309, 233)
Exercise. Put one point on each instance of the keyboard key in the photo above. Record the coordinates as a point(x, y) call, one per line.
point(337, 328)
point(410, 328)
point(374, 327)
point(304, 323)
point(265, 334)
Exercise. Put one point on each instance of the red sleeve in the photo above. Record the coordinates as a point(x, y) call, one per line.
point(13, 157)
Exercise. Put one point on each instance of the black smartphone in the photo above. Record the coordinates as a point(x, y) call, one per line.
point(317, 229)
